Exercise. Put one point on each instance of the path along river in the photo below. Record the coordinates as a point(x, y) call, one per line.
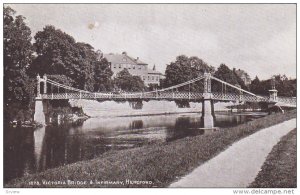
point(238, 165)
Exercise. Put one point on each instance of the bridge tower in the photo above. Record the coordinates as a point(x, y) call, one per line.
point(40, 109)
point(208, 113)
point(273, 91)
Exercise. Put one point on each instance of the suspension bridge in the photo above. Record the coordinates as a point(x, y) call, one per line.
point(207, 97)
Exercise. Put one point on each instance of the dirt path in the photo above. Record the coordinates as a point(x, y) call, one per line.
point(238, 165)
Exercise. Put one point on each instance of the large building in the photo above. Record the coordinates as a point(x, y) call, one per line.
point(135, 66)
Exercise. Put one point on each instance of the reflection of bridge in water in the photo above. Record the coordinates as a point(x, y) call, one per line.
point(207, 97)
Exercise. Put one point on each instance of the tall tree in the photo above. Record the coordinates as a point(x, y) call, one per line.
point(125, 81)
point(59, 53)
point(255, 86)
point(185, 69)
point(226, 74)
point(87, 59)
point(103, 74)
point(18, 53)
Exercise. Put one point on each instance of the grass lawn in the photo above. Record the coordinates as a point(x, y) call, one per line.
point(280, 168)
point(161, 164)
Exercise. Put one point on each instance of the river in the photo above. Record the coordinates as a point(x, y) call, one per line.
point(28, 151)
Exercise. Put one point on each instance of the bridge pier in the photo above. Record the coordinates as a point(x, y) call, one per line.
point(39, 115)
point(208, 112)
point(41, 106)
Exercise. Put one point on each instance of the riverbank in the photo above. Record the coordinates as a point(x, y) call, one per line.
point(95, 108)
point(280, 168)
point(238, 165)
point(156, 165)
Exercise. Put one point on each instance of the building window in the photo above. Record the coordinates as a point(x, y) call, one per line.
point(148, 77)
point(133, 67)
point(156, 78)
point(115, 66)
point(120, 65)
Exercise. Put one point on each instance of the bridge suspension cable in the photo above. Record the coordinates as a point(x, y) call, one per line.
point(59, 85)
point(238, 88)
point(66, 87)
point(178, 85)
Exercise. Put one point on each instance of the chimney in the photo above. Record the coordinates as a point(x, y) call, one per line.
point(124, 53)
point(137, 58)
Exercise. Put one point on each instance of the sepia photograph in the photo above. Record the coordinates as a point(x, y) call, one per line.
point(150, 96)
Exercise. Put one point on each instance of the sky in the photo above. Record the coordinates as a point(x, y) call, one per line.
point(258, 38)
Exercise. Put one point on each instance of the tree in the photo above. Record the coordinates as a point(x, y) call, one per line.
point(103, 74)
point(86, 61)
point(185, 69)
point(59, 53)
point(226, 74)
point(285, 86)
point(255, 85)
point(18, 54)
point(125, 81)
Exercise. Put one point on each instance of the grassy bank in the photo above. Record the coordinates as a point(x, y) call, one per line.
point(160, 164)
point(280, 168)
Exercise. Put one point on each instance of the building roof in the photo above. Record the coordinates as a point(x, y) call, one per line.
point(153, 72)
point(138, 61)
point(118, 58)
point(123, 58)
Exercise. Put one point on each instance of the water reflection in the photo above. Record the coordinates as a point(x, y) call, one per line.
point(28, 151)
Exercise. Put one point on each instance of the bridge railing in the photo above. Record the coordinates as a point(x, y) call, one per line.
point(287, 100)
point(225, 96)
point(168, 95)
point(239, 97)
point(152, 95)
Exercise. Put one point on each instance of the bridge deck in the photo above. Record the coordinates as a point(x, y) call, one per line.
point(166, 96)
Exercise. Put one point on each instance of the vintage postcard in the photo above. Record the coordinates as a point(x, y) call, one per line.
point(150, 96)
